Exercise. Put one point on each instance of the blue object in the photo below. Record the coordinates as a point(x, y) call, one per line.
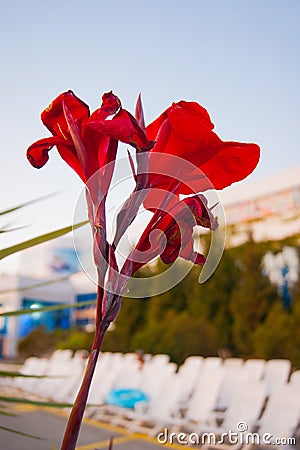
point(126, 398)
point(286, 296)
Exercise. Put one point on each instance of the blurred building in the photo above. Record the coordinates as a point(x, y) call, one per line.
point(49, 276)
point(269, 208)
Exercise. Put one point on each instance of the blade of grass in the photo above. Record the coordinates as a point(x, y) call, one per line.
point(4, 373)
point(19, 312)
point(22, 205)
point(21, 433)
point(39, 239)
point(8, 230)
point(37, 285)
point(25, 401)
point(7, 413)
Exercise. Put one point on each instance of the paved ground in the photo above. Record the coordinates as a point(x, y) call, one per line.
point(48, 427)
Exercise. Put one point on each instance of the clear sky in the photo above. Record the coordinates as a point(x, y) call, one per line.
point(238, 58)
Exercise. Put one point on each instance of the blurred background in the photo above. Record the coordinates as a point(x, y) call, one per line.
point(237, 59)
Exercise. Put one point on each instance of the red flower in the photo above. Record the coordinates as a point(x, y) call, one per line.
point(86, 142)
point(186, 131)
point(171, 234)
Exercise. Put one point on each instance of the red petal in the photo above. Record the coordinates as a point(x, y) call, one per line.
point(197, 258)
point(187, 247)
point(139, 113)
point(179, 241)
point(162, 137)
point(187, 112)
point(177, 226)
point(201, 212)
point(153, 128)
point(234, 162)
point(75, 134)
point(169, 255)
point(107, 153)
point(69, 155)
point(37, 153)
point(217, 164)
point(173, 247)
point(54, 119)
point(123, 127)
point(190, 125)
point(161, 198)
point(166, 170)
point(190, 121)
point(86, 155)
point(110, 105)
point(100, 147)
point(169, 142)
point(195, 108)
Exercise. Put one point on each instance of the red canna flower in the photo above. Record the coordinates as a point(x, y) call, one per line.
point(185, 130)
point(86, 142)
point(182, 156)
point(170, 234)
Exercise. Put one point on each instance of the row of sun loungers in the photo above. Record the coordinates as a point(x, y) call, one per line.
point(203, 395)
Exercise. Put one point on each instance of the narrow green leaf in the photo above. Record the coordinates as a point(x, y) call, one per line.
point(7, 373)
point(25, 401)
point(21, 433)
point(8, 230)
point(39, 239)
point(19, 312)
point(37, 285)
point(6, 413)
point(22, 205)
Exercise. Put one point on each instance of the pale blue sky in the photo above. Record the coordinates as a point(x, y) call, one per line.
point(238, 58)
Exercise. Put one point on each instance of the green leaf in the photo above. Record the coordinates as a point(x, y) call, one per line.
point(37, 285)
point(39, 239)
point(22, 205)
point(19, 312)
point(8, 230)
point(6, 413)
point(21, 433)
point(25, 401)
point(10, 374)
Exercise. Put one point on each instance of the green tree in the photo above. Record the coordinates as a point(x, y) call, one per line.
point(211, 300)
point(279, 335)
point(251, 299)
point(131, 319)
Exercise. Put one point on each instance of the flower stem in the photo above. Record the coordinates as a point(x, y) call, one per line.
point(76, 416)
